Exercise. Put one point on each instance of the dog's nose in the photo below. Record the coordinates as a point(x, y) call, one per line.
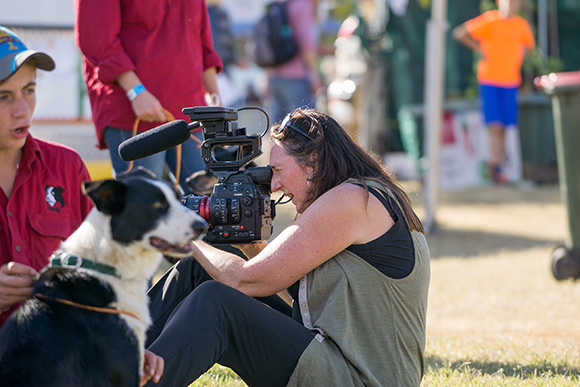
point(199, 226)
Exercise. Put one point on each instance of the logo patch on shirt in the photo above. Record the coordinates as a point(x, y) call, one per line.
point(54, 198)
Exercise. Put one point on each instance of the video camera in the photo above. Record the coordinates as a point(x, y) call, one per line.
point(239, 210)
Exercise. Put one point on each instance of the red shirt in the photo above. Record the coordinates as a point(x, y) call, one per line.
point(167, 43)
point(46, 204)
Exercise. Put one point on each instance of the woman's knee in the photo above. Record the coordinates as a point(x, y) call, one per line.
point(215, 298)
point(214, 291)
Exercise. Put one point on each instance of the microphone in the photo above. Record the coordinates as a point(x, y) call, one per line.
point(156, 140)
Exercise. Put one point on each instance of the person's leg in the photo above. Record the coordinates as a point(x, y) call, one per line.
point(298, 94)
point(491, 99)
point(512, 162)
point(289, 95)
point(178, 282)
point(497, 137)
point(273, 102)
point(216, 323)
point(114, 137)
point(505, 116)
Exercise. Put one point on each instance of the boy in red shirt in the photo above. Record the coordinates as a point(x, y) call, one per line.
point(41, 202)
point(503, 38)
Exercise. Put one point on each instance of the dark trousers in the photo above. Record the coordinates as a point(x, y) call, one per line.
point(198, 322)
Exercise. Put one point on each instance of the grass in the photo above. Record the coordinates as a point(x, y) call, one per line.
point(496, 316)
point(502, 322)
point(218, 376)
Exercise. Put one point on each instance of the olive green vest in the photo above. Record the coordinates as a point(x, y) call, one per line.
point(371, 327)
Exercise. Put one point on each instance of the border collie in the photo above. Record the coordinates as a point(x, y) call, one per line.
point(86, 323)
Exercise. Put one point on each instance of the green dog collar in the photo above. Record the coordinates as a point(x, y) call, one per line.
point(74, 261)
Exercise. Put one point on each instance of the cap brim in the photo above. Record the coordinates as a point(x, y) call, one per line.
point(11, 63)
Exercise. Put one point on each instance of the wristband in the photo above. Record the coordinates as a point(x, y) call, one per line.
point(134, 92)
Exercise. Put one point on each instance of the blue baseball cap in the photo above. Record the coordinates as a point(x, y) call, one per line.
point(13, 54)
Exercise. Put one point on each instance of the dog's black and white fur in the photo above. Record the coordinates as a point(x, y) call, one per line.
point(51, 343)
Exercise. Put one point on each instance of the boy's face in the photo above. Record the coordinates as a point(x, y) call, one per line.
point(509, 7)
point(17, 102)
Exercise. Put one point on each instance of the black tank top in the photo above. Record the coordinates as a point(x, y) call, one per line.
point(392, 253)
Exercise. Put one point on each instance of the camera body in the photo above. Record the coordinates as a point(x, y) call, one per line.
point(239, 210)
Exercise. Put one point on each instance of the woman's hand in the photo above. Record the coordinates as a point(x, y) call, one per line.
point(16, 283)
point(152, 368)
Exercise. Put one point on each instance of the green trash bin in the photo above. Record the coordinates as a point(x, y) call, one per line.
point(564, 89)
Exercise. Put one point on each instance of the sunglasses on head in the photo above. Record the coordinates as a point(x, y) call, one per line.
point(287, 124)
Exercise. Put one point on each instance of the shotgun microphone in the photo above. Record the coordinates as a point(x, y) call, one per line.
point(156, 140)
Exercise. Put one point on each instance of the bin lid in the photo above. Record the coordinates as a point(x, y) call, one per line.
point(556, 82)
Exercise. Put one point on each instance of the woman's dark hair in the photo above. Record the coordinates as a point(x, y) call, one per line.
point(335, 157)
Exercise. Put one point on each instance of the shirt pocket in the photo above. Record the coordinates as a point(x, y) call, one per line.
point(46, 233)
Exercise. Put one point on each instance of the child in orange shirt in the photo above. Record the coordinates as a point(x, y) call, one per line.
point(503, 38)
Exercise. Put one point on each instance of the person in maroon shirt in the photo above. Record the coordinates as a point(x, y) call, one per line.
point(141, 57)
point(41, 202)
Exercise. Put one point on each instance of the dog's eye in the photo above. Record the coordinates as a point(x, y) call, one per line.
point(158, 205)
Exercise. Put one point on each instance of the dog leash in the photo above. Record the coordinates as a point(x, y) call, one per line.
point(168, 117)
point(87, 307)
point(74, 261)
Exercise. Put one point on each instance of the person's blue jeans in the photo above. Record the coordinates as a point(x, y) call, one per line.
point(288, 94)
point(191, 160)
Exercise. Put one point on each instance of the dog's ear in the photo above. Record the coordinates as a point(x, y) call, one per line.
point(108, 195)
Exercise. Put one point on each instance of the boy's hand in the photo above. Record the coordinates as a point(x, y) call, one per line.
point(16, 283)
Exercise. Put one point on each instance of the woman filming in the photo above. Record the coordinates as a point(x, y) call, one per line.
point(355, 263)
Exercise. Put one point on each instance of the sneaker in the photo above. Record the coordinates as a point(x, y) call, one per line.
point(497, 175)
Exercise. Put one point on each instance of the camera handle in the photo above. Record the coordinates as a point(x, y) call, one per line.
point(249, 146)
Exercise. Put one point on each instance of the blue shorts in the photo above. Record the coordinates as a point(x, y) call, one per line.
point(499, 104)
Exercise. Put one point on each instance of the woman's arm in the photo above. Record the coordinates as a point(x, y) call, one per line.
point(336, 220)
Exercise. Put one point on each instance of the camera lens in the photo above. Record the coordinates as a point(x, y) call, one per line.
point(204, 208)
point(199, 204)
